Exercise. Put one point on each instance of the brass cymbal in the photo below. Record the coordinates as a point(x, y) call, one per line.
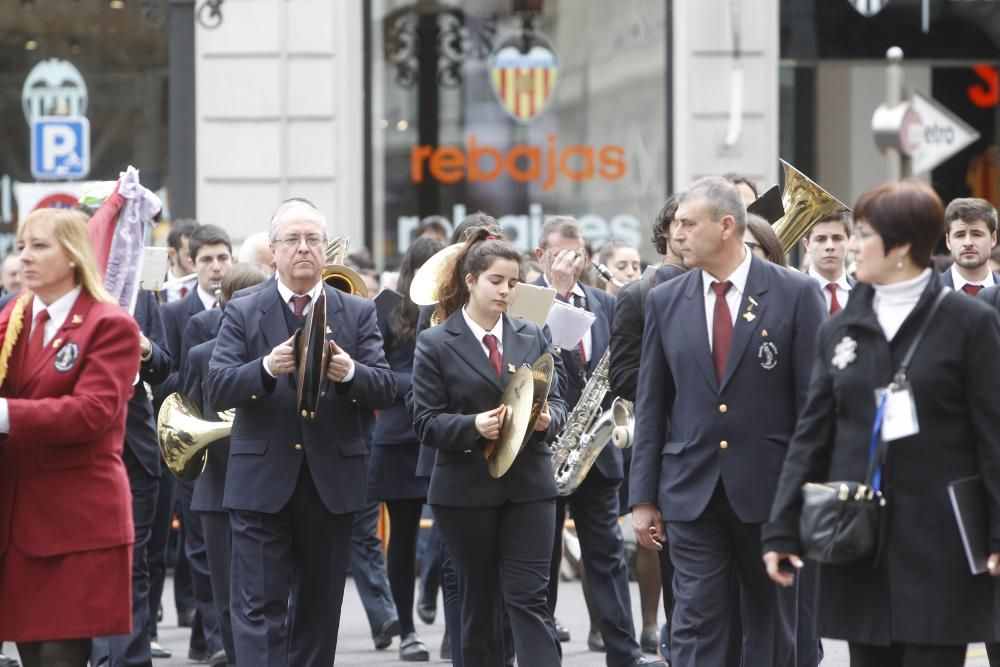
point(524, 397)
point(312, 356)
point(424, 286)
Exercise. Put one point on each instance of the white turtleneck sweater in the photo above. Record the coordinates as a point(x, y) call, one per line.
point(893, 303)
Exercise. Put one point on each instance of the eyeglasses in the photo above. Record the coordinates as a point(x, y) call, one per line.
point(753, 246)
point(312, 240)
point(494, 230)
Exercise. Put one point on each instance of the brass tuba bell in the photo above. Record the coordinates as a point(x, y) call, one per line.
point(183, 436)
point(337, 274)
point(805, 203)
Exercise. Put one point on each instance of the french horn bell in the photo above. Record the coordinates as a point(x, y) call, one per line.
point(337, 274)
point(184, 436)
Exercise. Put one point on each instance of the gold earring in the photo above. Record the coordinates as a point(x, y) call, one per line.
point(899, 264)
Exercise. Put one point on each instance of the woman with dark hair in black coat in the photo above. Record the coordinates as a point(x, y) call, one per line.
point(917, 602)
point(392, 471)
point(499, 531)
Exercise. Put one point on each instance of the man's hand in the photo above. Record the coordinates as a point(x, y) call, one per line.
point(777, 562)
point(648, 526)
point(488, 423)
point(340, 363)
point(544, 418)
point(145, 348)
point(281, 361)
point(564, 268)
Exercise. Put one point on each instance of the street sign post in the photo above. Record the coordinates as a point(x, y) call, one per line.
point(60, 147)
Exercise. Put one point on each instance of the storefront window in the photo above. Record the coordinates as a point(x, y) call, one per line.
point(519, 108)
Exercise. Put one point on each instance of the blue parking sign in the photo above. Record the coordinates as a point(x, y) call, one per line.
point(60, 147)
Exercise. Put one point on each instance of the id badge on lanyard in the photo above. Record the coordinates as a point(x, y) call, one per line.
point(900, 417)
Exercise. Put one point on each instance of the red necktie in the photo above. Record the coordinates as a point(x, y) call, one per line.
point(300, 302)
point(722, 328)
point(183, 291)
point(577, 301)
point(971, 290)
point(834, 304)
point(37, 341)
point(491, 344)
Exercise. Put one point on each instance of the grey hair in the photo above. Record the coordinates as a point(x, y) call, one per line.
point(289, 204)
point(563, 225)
point(255, 248)
point(721, 197)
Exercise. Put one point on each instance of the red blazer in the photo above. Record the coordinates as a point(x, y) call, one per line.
point(63, 486)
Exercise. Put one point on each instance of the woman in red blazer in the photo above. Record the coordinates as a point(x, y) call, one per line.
point(68, 360)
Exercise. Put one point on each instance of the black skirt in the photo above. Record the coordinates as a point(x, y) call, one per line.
point(392, 473)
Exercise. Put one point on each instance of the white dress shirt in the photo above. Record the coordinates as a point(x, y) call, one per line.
point(588, 340)
point(480, 332)
point(58, 312)
point(961, 282)
point(286, 296)
point(174, 285)
point(843, 288)
point(733, 297)
point(207, 299)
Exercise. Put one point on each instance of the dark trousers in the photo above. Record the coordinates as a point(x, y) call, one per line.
point(808, 649)
point(60, 653)
point(709, 555)
point(430, 569)
point(368, 568)
point(502, 556)
point(401, 555)
point(205, 633)
point(156, 550)
point(133, 649)
point(667, 584)
point(602, 551)
point(218, 550)
point(993, 653)
point(907, 655)
point(304, 550)
point(451, 601)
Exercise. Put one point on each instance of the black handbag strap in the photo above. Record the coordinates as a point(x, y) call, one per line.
point(878, 452)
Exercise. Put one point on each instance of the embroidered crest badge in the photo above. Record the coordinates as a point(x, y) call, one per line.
point(845, 353)
point(66, 357)
point(768, 355)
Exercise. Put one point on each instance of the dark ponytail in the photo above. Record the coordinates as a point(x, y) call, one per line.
point(480, 251)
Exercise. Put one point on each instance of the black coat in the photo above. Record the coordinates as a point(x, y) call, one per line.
point(921, 590)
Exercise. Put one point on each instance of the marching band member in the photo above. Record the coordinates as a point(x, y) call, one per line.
point(69, 357)
point(294, 482)
point(498, 531)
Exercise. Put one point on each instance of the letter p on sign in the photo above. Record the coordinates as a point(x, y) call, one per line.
point(60, 147)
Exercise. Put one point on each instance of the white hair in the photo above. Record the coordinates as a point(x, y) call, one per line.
point(256, 248)
point(295, 203)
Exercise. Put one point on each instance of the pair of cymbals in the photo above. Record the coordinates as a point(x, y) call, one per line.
point(312, 356)
point(524, 396)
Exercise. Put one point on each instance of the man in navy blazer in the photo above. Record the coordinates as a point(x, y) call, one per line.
point(595, 502)
point(826, 245)
point(293, 482)
point(727, 354)
point(971, 237)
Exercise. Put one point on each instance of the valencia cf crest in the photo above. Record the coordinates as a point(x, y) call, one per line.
point(523, 80)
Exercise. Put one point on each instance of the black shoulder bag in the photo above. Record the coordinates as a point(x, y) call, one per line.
point(840, 521)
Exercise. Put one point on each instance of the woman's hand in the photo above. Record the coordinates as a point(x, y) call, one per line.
point(773, 561)
point(488, 423)
point(544, 419)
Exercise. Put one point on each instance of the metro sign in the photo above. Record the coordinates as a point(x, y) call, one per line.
point(933, 134)
point(523, 82)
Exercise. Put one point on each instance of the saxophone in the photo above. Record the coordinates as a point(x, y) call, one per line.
point(587, 431)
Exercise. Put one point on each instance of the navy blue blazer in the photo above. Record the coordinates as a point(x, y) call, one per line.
point(601, 304)
point(140, 424)
point(264, 461)
point(394, 425)
point(210, 485)
point(202, 327)
point(690, 430)
point(453, 381)
point(176, 316)
point(946, 279)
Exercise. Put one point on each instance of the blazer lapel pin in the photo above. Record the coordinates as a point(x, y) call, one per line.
point(845, 353)
point(511, 369)
point(749, 315)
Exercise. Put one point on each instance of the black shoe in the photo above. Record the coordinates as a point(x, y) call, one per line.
point(218, 659)
point(411, 649)
point(426, 612)
point(643, 661)
point(199, 654)
point(561, 632)
point(665, 642)
point(6, 661)
point(185, 618)
point(595, 642)
point(383, 638)
point(445, 647)
point(158, 651)
point(650, 641)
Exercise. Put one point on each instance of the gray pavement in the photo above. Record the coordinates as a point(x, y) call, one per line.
point(355, 644)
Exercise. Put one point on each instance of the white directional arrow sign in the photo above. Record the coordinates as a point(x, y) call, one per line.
point(930, 133)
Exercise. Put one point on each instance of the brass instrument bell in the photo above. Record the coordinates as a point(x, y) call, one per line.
point(805, 203)
point(184, 436)
point(337, 274)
